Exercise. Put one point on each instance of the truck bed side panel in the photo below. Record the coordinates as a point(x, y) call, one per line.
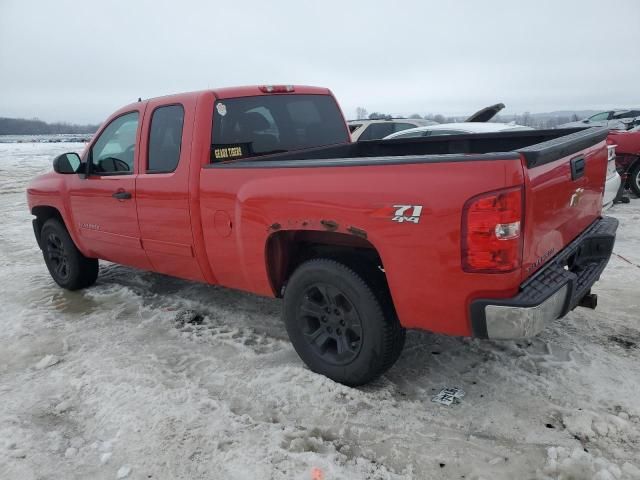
point(242, 207)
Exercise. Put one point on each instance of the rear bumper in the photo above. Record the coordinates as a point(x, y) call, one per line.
point(552, 292)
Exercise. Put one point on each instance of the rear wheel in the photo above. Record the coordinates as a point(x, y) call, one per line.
point(337, 324)
point(634, 179)
point(68, 267)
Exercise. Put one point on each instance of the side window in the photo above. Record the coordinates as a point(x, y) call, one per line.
point(403, 126)
point(599, 117)
point(375, 131)
point(626, 114)
point(113, 152)
point(354, 126)
point(165, 137)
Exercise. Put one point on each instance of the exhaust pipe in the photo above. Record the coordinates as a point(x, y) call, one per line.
point(590, 300)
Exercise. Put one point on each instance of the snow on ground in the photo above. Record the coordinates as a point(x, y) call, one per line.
point(145, 376)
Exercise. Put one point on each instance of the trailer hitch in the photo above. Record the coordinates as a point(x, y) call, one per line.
point(590, 300)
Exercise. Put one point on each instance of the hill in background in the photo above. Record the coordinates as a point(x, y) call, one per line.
point(20, 126)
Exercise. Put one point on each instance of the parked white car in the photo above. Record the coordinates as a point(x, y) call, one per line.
point(616, 119)
point(613, 181)
point(377, 129)
point(457, 129)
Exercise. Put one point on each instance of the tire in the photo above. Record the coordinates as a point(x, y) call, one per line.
point(68, 267)
point(338, 326)
point(634, 178)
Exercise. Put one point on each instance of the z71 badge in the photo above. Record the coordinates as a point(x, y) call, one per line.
point(407, 213)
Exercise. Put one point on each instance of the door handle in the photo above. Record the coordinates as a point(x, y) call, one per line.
point(577, 168)
point(122, 195)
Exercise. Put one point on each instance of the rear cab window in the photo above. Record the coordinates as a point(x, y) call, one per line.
point(248, 127)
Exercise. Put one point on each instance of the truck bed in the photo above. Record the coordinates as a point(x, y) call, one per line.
point(536, 146)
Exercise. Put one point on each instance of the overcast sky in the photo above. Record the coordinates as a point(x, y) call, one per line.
point(80, 60)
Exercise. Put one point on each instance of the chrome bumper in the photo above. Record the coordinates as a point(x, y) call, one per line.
point(553, 291)
point(504, 322)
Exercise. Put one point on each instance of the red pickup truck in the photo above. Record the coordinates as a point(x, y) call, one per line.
point(260, 189)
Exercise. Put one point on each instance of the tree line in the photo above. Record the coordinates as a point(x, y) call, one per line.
point(35, 126)
point(527, 119)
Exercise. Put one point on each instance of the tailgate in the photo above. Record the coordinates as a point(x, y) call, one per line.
point(564, 185)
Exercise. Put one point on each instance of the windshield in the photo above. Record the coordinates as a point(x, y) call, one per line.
point(252, 126)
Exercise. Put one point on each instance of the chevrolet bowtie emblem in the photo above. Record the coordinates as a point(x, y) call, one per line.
point(576, 196)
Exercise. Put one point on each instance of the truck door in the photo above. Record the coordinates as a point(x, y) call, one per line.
point(103, 204)
point(162, 187)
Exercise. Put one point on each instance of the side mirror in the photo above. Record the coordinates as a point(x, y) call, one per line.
point(67, 163)
point(586, 120)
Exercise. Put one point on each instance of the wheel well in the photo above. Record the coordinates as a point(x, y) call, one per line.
point(42, 214)
point(286, 250)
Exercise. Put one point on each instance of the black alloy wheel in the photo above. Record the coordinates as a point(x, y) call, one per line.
point(57, 256)
point(331, 324)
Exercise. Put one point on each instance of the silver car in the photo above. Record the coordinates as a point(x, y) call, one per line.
point(616, 119)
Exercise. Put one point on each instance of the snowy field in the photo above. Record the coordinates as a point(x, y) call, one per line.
point(111, 382)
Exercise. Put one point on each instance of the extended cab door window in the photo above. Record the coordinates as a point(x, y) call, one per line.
point(113, 152)
point(165, 138)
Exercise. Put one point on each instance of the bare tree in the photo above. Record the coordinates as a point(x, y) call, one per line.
point(361, 113)
point(379, 116)
point(415, 115)
point(439, 118)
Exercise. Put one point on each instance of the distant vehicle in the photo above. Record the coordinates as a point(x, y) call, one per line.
point(377, 129)
point(613, 181)
point(616, 119)
point(627, 157)
point(461, 128)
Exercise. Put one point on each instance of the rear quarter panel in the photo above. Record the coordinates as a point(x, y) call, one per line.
point(422, 261)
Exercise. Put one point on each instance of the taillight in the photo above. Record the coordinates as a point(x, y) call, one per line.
point(491, 232)
point(276, 88)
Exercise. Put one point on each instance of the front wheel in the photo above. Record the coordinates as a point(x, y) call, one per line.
point(337, 324)
point(68, 267)
point(634, 179)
